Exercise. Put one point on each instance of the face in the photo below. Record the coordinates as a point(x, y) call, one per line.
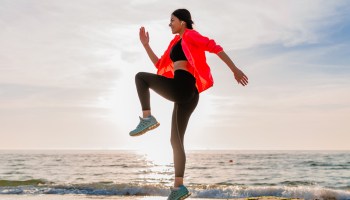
point(175, 24)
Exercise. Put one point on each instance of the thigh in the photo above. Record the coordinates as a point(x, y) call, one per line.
point(162, 85)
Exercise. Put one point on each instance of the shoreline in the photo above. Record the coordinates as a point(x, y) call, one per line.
point(94, 197)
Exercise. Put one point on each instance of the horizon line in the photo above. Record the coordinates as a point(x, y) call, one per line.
point(199, 149)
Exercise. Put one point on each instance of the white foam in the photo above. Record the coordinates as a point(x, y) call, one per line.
point(304, 192)
point(210, 191)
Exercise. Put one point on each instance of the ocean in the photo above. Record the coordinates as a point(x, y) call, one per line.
point(209, 174)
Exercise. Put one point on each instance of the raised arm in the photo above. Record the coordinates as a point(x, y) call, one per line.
point(144, 38)
point(240, 77)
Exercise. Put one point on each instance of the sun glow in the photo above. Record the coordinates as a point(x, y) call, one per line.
point(159, 161)
point(156, 156)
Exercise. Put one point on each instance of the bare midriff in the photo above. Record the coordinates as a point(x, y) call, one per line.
point(181, 64)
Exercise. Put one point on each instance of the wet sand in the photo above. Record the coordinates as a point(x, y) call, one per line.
point(85, 197)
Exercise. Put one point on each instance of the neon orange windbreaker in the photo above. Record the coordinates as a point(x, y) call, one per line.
point(194, 46)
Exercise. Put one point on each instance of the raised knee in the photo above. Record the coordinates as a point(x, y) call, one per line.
point(139, 75)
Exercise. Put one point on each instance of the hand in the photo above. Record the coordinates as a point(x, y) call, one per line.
point(240, 77)
point(144, 37)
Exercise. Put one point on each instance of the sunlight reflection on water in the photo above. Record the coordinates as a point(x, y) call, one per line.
point(159, 165)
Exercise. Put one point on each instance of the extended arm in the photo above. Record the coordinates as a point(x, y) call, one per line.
point(240, 77)
point(209, 45)
point(144, 38)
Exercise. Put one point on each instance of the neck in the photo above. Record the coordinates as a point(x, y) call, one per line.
point(181, 33)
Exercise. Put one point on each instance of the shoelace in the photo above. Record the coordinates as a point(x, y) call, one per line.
point(174, 193)
point(143, 123)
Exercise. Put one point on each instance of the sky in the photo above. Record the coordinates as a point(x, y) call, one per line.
point(67, 74)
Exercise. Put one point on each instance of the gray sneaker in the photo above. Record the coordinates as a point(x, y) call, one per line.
point(146, 124)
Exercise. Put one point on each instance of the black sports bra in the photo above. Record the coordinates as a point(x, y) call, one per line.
point(177, 53)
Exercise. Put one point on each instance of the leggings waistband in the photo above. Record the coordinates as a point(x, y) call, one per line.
point(184, 74)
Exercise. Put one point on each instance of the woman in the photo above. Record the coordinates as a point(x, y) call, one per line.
point(182, 73)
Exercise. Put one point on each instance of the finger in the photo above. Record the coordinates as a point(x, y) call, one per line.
point(245, 82)
point(246, 77)
point(141, 31)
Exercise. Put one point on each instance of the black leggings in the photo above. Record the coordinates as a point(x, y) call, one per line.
point(183, 92)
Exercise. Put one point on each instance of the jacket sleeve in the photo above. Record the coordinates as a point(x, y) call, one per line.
point(159, 61)
point(203, 42)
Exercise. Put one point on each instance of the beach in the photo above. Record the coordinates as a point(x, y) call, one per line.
point(85, 197)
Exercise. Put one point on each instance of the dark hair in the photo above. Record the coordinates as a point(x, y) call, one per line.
point(184, 15)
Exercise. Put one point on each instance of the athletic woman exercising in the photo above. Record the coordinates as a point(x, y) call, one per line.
point(182, 73)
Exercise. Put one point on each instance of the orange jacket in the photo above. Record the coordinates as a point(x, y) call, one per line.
point(194, 46)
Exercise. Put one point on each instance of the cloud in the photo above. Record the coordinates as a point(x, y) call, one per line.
point(247, 24)
point(293, 93)
point(75, 60)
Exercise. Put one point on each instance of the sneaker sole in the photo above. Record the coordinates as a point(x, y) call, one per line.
point(146, 130)
point(184, 197)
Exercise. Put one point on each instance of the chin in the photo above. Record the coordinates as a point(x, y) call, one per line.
point(174, 31)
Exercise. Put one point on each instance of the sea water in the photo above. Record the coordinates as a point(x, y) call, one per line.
point(209, 174)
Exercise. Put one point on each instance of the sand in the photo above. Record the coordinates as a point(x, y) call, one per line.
point(84, 197)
